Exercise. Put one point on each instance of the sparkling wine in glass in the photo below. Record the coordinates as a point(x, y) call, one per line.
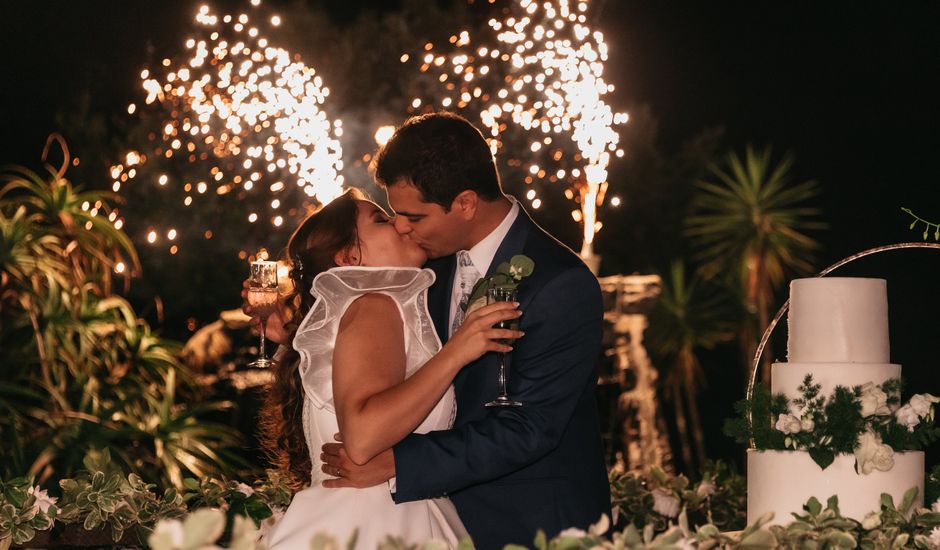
point(262, 297)
point(503, 294)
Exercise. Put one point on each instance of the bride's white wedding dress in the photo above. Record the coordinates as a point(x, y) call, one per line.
point(371, 511)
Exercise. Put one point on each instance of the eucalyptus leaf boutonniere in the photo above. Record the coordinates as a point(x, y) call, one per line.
point(508, 274)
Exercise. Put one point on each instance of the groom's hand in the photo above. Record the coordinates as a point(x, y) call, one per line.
point(349, 474)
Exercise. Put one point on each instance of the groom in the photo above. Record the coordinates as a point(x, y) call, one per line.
point(509, 471)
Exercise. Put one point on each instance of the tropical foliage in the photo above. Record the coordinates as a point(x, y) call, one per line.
point(691, 315)
point(80, 370)
point(751, 224)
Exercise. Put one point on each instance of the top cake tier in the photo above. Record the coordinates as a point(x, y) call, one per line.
point(838, 319)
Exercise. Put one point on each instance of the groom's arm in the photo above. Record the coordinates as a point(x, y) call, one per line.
point(552, 367)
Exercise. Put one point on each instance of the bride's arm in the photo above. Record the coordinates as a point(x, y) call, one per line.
point(376, 406)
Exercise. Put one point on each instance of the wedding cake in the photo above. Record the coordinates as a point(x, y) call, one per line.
point(838, 333)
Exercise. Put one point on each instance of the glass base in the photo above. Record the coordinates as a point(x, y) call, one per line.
point(262, 363)
point(503, 401)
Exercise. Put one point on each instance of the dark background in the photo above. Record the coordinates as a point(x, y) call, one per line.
point(849, 87)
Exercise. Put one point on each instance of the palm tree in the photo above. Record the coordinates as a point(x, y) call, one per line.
point(751, 225)
point(691, 315)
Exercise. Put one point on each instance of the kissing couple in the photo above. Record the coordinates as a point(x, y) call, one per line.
point(378, 400)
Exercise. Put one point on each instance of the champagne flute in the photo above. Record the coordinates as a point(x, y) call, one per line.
point(503, 294)
point(262, 297)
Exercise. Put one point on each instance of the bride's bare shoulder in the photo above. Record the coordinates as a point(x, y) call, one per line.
point(371, 310)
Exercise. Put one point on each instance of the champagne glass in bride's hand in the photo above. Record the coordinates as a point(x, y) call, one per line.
point(503, 294)
point(262, 297)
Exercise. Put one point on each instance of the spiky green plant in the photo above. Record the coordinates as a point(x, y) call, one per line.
point(690, 315)
point(751, 223)
point(80, 370)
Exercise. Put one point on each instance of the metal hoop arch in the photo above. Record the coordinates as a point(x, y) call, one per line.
point(783, 309)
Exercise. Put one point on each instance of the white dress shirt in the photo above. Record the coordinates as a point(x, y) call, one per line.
point(482, 254)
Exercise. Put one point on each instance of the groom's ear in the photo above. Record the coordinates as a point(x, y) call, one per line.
point(465, 204)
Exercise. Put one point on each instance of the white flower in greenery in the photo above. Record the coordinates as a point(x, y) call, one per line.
point(706, 488)
point(907, 416)
point(665, 504)
point(788, 424)
point(245, 535)
point(874, 401)
point(167, 535)
point(935, 537)
point(199, 529)
point(43, 500)
point(922, 403)
point(244, 489)
point(601, 527)
point(872, 521)
point(871, 454)
point(573, 532)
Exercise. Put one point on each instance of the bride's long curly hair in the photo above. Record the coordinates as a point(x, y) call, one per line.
point(311, 250)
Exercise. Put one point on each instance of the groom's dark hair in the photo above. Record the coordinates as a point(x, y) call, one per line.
point(441, 154)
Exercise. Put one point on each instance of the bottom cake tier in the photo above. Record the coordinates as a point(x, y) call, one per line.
point(782, 481)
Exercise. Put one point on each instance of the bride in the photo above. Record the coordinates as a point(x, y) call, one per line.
point(365, 362)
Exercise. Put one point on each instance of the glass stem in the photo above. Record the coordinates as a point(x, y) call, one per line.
point(503, 393)
point(264, 321)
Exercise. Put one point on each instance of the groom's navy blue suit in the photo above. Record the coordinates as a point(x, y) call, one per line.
point(513, 471)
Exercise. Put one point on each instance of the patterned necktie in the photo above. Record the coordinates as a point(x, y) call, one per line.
point(467, 276)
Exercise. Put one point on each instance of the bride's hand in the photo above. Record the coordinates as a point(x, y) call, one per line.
point(274, 327)
point(477, 335)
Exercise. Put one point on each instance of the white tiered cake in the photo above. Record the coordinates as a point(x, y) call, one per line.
point(838, 332)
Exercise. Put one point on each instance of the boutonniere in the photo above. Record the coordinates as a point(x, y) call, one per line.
point(508, 274)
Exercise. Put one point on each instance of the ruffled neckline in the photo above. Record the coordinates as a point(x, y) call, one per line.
point(346, 280)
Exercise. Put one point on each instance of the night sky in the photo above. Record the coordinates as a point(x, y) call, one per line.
point(848, 87)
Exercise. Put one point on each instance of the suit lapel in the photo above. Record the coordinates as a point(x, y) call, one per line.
point(439, 295)
point(440, 292)
point(514, 241)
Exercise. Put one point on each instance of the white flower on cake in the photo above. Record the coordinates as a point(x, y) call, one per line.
point(706, 488)
point(789, 424)
point(871, 454)
point(807, 424)
point(922, 403)
point(245, 489)
point(874, 401)
point(43, 500)
point(665, 504)
point(908, 417)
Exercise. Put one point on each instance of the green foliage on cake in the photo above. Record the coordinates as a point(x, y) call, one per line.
point(869, 421)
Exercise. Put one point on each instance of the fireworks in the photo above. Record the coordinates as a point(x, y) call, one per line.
point(238, 120)
point(540, 72)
